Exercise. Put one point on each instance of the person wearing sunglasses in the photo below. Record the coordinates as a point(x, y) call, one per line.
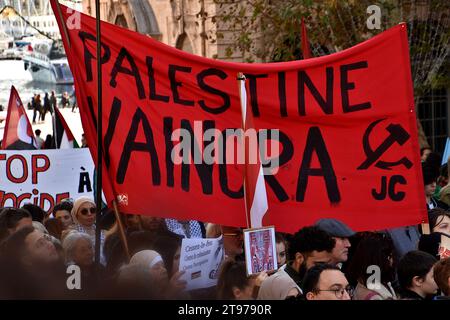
point(233, 242)
point(83, 215)
point(326, 282)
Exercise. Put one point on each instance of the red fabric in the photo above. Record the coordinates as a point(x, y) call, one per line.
point(305, 43)
point(370, 92)
point(14, 132)
point(69, 133)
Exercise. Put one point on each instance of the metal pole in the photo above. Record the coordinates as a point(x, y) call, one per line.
point(99, 135)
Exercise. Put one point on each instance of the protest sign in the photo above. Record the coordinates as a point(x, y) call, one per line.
point(344, 124)
point(201, 259)
point(44, 177)
point(260, 250)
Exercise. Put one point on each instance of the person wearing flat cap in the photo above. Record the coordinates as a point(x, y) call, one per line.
point(341, 233)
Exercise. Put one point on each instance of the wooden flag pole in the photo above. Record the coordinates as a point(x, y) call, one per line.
point(121, 230)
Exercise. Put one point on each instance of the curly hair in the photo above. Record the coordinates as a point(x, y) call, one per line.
point(309, 239)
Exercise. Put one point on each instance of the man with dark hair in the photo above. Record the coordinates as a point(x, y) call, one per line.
point(37, 214)
point(309, 246)
point(12, 220)
point(62, 212)
point(415, 275)
point(341, 233)
point(326, 282)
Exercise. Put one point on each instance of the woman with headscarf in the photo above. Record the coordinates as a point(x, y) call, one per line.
point(83, 215)
point(170, 289)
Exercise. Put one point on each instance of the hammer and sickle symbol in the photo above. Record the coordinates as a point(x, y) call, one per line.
point(396, 135)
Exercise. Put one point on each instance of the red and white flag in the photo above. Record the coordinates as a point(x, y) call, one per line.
point(18, 134)
point(61, 132)
point(256, 204)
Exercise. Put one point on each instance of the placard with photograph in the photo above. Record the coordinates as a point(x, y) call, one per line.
point(260, 250)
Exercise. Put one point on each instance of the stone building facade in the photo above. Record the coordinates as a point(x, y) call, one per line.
point(185, 24)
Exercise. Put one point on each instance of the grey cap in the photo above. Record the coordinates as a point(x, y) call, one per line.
point(335, 228)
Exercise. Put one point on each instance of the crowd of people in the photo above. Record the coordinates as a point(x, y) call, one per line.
point(46, 104)
point(324, 261)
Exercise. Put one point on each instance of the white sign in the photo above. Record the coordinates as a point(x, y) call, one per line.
point(201, 259)
point(260, 250)
point(44, 177)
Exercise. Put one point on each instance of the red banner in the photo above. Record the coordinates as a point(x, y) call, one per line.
point(345, 122)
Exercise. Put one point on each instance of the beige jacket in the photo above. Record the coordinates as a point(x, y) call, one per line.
point(382, 293)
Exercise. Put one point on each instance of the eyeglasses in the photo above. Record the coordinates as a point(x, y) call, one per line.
point(86, 211)
point(340, 292)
